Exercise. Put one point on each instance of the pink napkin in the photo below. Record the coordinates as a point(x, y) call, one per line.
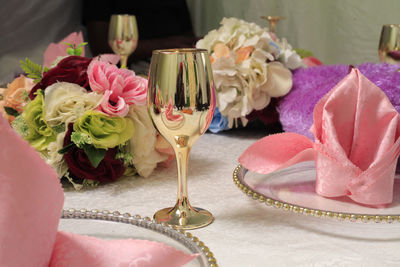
point(76, 250)
point(60, 49)
point(31, 199)
point(54, 50)
point(356, 146)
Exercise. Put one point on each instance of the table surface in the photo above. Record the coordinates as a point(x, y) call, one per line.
point(245, 232)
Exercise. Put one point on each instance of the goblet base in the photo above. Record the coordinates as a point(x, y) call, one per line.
point(184, 216)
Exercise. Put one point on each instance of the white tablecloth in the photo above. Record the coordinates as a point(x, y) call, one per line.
point(245, 232)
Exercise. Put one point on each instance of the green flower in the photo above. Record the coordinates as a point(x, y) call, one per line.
point(39, 134)
point(20, 126)
point(80, 139)
point(104, 131)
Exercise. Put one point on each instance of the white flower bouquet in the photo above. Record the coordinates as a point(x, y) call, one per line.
point(250, 66)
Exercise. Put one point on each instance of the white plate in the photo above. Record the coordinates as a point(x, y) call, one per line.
point(114, 225)
point(293, 189)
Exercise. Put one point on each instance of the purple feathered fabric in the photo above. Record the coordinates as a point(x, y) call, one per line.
point(309, 85)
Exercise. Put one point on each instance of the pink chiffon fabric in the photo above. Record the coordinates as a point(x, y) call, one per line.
point(31, 200)
point(356, 145)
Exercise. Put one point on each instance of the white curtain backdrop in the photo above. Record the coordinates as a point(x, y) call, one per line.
point(27, 27)
point(340, 31)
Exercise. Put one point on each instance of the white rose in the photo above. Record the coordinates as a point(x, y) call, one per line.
point(55, 159)
point(65, 102)
point(145, 157)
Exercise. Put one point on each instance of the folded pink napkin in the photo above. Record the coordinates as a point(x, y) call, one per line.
point(55, 50)
point(356, 146)
point(60, 49)
point(31, 200)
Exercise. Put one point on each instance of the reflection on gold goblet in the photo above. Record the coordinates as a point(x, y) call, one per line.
point(123, 36)
point(389, 44)
point(181, 103)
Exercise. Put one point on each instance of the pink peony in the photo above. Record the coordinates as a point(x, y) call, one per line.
point(120, 87)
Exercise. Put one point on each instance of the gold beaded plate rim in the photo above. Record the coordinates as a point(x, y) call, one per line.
point(181, 237)
point(352, 217)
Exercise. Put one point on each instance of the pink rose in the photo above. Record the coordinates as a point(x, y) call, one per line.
point(120, 87)
point(14, 95)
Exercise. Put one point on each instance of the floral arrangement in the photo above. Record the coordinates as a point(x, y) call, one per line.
point(250, 66)
point(86, 117)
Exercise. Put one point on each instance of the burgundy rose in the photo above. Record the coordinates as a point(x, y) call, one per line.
point(109, 169)
point(267, 115)
point(71, 69)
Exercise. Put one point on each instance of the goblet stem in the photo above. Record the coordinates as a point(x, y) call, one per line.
point(124, 60)
point(183, 215)
point(182, 160)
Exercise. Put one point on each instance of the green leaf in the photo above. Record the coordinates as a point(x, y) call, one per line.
point(90, 183)
point(65, 149)
point(303, 52)
point(10, 111)
point(95, 155)
point(25, 96)
point(70, 45)
point(71, 51)
point(78, 51)
point(75, 50)
point(33, 70)
point(59, 128)
point(82, 44)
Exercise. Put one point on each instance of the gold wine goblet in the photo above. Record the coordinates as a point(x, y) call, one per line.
point(273, 20)
point(181, 103)
point(389, 44)
point(123, 36)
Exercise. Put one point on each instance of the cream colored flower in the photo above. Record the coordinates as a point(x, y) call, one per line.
point(65, 102)
point(235, 33)
point(230, 89)
point(55, 159)
point(145, 157)
point(245, 67)
point(279, 80)
point(289, 57)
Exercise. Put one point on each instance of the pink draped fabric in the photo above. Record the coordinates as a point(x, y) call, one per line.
point(60, 49)
point(31, 199)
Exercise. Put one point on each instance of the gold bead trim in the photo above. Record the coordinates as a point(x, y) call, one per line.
point(307, 211)
point(145, 222)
